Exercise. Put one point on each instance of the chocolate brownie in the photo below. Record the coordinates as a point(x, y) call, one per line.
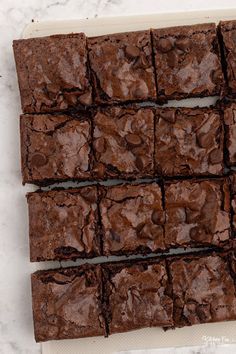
point(63, 224)
point(187, 61)
point(121, 66)
point(188, 142)
point(55, 148)
point(227, 31)
point(204, 289)
point(137, 295)
point(123, 143)
point(52, 72)
point(197, 213)
point(67, 303)
point(132, 219)
point(230, 132)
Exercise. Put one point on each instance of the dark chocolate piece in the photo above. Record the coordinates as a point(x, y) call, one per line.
point(197, 213)
point(187, 61)
point(132, 219)
point(137, 296)
point(122, 67)
point(55, 148)
point(67, 303)
point(123, 143)
point(52, 72)
point(63, 224)
point(188, 142)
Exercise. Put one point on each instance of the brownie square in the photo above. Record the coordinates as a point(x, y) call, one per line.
point(52, 72)
point(187, 61)
point(230, 133)
point(137, 296)
point(121, 66)
point(123, 143)
point(197, 213)
point(189, 142)
point(132, 219)
point(204, 289)
point(227, 31)
point(67, 303)
point(55, 148)
point(63, 224)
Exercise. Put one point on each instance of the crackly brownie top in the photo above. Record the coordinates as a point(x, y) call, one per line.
point(123, 142)
point(63, 224)
point(52, 72)
point(132, 218)
point(138, 297)
point(189, 141)
point(67, 303)
point(54, 147)
point(187, 61)
point(122, 66)
point(197, 213)
point(228, 31)
point(230, 131)
point(203, 289)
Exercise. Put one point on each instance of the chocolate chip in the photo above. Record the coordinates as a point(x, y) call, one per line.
point(197, 234)
point(133, 139)
point(132, 51)
point(38, 159)
point(157, 217)
point(86, 98)
point(141, 163)
point(215, 156)
point(165, 45)
point(216, 76)
point(100, 145)
point(183, 44)
point(100, 170)
point(168, 115)
point(172, 59)
point(115, 237)
point(139, 93)
point(141, 62)
point(205, 139)
point(89, 194)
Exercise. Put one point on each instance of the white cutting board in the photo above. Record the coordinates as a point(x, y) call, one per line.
point(207, 334)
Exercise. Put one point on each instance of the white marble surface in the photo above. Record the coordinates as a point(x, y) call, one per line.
point(16, 330)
